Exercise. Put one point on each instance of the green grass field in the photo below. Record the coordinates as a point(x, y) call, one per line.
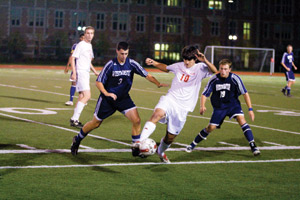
point(35, 161)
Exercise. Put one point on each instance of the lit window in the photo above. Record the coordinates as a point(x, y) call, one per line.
point(213, 4)
point(162, 51)
point(246, 31)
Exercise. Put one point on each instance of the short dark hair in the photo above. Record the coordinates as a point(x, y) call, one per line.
point(225, 62)
point(188, 52)
point(81, 34)
point(123, 45)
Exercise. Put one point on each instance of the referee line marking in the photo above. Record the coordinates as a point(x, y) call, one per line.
point(152, 163)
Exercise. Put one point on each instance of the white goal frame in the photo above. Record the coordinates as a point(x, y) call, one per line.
point(244, 48)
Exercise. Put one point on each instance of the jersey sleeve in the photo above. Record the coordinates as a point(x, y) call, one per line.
point(77, 51)
point(138, 69)
point(209, 87)
point(205, 70)
point(172, 67)
point(283, 57)
point(239, 83)
point(105, 73)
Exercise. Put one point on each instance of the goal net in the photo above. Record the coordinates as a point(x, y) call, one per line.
point(243, 58)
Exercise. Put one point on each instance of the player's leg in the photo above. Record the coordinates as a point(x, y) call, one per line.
point(72, 93)
point(135, 119)
point(83, 98)
point(216, 121)
point(201, 136)
point(165, 143)
point(291, 80)
point(150, 125)
point(88, 127)
point(248, 134)
point(283, 90)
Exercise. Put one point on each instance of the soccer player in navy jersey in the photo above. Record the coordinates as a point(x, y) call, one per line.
point(73, 83)
point(114, 83)
point(225, 87)
point(287, 62)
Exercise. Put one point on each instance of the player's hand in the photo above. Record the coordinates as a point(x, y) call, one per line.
point(112, 95)
point(200, 56)
point(202, 110)
point(73, 77)
point(150, 61)
point(163, 85)
point(296, 68)
point(66, 70)
point(251, 114)
point(288, 69)
point(97, 73)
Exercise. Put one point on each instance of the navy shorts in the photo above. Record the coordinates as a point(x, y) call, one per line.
point(290, 76)
point(106, 106)
point(219, 115)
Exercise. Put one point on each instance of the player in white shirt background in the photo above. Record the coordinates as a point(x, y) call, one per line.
point(173, 108)
point(84, 55)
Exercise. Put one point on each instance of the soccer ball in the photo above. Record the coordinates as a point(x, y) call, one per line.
point(148, 147)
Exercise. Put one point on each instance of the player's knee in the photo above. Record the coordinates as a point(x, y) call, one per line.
point(210, 128)
point(136, 121)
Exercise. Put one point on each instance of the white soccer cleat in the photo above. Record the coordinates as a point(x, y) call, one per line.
point(164, 158)
point(256, 152)
point(189, 149)
point(69, 103)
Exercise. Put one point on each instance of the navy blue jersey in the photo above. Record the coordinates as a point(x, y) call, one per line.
point(288, 59)
point(118, 78)
point(225, 91)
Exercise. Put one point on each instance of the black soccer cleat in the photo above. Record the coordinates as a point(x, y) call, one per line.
point(283, 91)
point(254, 149)
point(74, 147)
point(76, 123)
point(135, 149)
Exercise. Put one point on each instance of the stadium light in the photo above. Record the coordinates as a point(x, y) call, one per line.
point(79, 28)
point(232, 37)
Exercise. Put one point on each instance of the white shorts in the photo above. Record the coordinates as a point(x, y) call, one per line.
point(83, 81)
point(175, 116)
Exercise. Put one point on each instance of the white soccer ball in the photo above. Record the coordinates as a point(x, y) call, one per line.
point(148, 147)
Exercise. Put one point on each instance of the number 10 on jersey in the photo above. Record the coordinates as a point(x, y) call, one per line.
point(184, 77)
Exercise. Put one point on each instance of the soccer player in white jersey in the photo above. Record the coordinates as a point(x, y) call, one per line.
point(173, 108)
point(73, 83)
point(84, 55)
point(287, 62)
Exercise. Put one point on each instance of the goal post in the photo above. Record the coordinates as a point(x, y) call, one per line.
point(243, 58)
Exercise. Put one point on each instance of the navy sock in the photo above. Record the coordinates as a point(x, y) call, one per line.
point(201, 136)
point(72, 92)
point(247, 132)
point(135, 138)
point(81, 135)
point(288, 90)
point(285, 87)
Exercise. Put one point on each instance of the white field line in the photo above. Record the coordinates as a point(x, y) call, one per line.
point(85, 147)
point(25, 146)
point(229, 144)
point(272, 143)
point(65, 129)
point(194, 116)
point(40, 151)
point(152, 163)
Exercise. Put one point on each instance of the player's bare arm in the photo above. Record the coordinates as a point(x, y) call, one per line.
point(248, 102)
point(100, 86)
point(287, 69)
point(294, 66)
point(94, 70)
point(67, 66)
point(201, 57)
point(74, 75)
point(202, 104)
point(152, 79)
point(160, 66)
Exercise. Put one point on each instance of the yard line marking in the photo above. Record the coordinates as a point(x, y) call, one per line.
point(85, 147)
point(272, 143)
point(234, 145)
point(59, 108)
point(239, 148)
point(153, 163)
point(180, 144)
point(65, 129)
point(273, 129)
point(25, 146)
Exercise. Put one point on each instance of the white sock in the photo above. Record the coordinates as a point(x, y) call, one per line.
point(147, 130)
point(78, 110)
point(162, 147)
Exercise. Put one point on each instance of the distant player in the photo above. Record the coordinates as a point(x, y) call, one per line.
point(287, 62)
point(84, 55)
point(173, 108)
point(114, 83)
point(225, 87)
point(73, 83)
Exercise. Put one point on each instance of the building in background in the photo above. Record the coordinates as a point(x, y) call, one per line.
point(155, 28)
